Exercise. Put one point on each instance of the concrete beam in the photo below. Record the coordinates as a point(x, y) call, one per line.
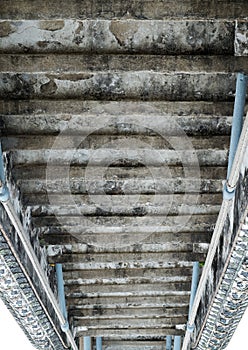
point(241, 41)
point(95, 141)
point(119, 86)
point(118, 36)
point(130, 334)
point(125, 311)
point(132, 9)
point(128, 187)
point(129, 345)
point(134, 121)
point(22, 108)
point(50, 63)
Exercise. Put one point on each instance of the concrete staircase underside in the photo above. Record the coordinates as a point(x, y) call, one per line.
point(115, 119)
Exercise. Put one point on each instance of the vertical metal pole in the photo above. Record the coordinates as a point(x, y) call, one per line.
point(87, 343)
point(238, 114)
point(194, 284)
point(61, 294)
point(168, 342)
point(98, 343)
point(177, 342)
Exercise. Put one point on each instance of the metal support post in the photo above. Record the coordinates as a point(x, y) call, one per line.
point(168, 342)
point(87, 343)
point(98, 343)
point(177, 342)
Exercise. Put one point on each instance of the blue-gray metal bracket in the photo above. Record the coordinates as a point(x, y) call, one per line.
point(190, 327)
point(228, 192)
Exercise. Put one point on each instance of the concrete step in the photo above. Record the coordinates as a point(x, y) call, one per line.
point(30, 142)
point(198, 252)
point(79, 291)
point(129, 261)
point(49, 203)
point(116, 172)
point(118, 224)
point(70, 64)
point(118, 9)
point(115, 281)
point(129, 323)
point(164, 204)
point(119, 36)
point(155, 310)
point(138, 210)
point(160, 185)
point(19, 108)
point(64, 236)
point(135, 120)
point(154, 271)
point(95, 300)
point(58, 251)
point(144, 85)
point(137, 345)
point(105, 156)
point(132, 333)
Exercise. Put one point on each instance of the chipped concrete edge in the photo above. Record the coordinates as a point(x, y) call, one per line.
point(241, 38)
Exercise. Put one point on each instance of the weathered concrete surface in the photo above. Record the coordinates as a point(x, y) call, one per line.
point(241, 38)
point(131, 186)
point(128, 345)
point(95, 141)
point(132, 122)
point(136, 9)
point(73, 63)
point(48, 88)
point(63, 237)
point(118, 36)
point(130, 334)
point(120, 85)
point(50, 107)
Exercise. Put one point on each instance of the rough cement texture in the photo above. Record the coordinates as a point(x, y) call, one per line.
point(99, 75)
point(119, 36)
point(136, 9)
point(115, 86)
point(241, 38)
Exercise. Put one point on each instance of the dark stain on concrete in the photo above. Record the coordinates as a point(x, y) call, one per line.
point(73, 77)
point(139, 211)
point(43, 43)
point(52, 25)
point(49, 88)
point(6, 29)
point(113, 187)
point(22, 86)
